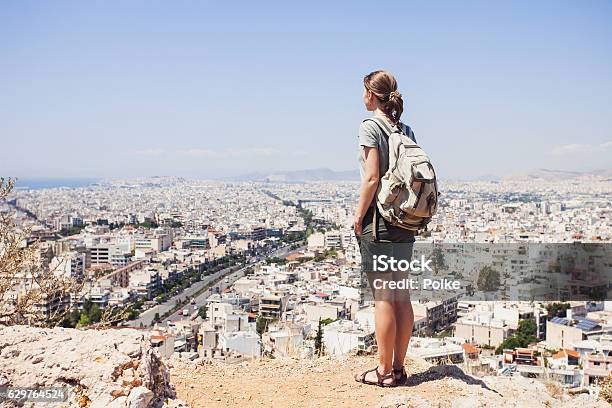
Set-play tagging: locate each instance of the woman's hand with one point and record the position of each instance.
(357, 225)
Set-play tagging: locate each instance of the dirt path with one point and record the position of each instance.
(328, 382)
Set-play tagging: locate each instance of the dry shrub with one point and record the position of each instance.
(605, 391)
(31, 291)
(554, 388)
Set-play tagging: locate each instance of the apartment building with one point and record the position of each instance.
(272, 306)
(144, 282)
(563, 333)
(439, 314)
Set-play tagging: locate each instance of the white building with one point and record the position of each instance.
(342, 336)
(246, 343)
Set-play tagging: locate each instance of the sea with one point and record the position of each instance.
(40, 183)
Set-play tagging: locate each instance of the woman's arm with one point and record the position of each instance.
(369, 185)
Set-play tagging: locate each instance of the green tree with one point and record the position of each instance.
(318, 343)
(327, 321)
(527, 328)
(557, 309)
(524, 335)
(149, 224)
(488, 279)
(84, 320)
(261, 325)
(156, 317)
(276, 260)
(202, 312)
(510, 343)
(95, 314)
(437, 259)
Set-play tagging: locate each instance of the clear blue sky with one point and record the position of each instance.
(132, 88)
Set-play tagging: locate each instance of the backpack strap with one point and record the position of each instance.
(375, 221)
(408, 132)
(387, 130)
(382, 124)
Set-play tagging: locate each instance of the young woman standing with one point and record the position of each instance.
(393, 314)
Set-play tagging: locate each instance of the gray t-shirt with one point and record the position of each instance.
(370, 135)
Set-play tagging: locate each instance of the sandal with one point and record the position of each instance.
(381, 378)
(400, 375)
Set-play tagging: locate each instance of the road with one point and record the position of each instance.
(146, 317)
(203, 297)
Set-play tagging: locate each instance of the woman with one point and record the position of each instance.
(393, 313)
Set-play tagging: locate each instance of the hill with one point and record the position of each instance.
(560, 175)
(296, 176)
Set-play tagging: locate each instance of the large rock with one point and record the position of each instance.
(102, 368)
(140, 397)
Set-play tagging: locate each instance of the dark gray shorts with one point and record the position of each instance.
(392, 242)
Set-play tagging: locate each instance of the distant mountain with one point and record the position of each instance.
(325, 174)
(554, 175)
(321, 174)
(484, 177)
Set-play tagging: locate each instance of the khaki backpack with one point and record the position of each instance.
(407, 194)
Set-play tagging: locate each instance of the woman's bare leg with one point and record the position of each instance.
(404, 321)
(385, 325)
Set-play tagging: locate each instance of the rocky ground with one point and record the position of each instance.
(111, 368)
(118, 369)
(328, 382)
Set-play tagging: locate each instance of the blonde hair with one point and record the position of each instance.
(384, 86)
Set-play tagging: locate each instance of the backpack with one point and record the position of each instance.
(407, 195)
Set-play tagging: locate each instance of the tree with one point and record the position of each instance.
(510, 343)
(149, 224)
(84, 320)
(488, 279)
(276, 260)
(437, 258)
(156, 317)
(261, 325)
(557, 309)
(202, 312)
(66, 232)
(327, 321)
(527, 328)
(72, 319)
(318, 343)
(95, 314)
(524, 335)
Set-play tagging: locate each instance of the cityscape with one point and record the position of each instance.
(236, 271)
